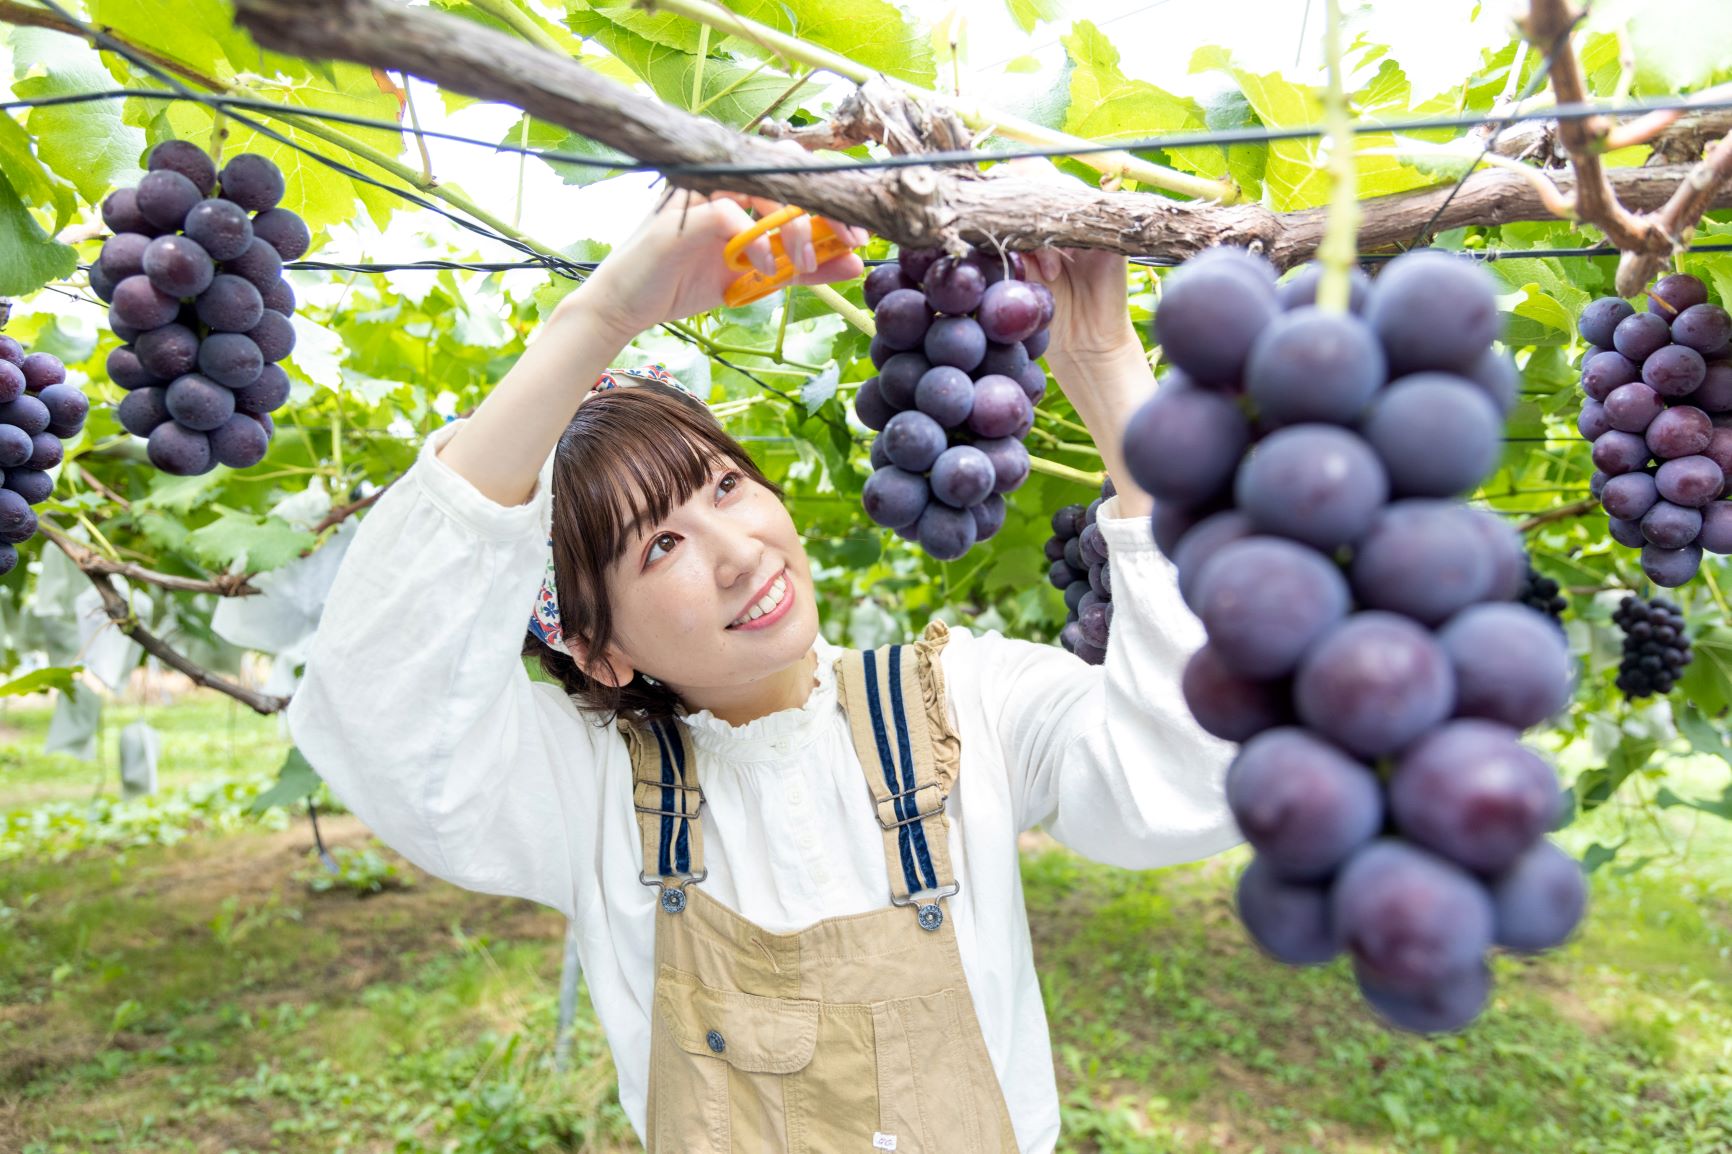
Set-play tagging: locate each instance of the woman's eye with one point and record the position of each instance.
(662, 541)
(729, 482)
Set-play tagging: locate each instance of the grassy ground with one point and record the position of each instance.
(200, 997)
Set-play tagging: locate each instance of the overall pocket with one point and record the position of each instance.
(936, 1088)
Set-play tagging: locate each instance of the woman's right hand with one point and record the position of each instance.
(671, 267)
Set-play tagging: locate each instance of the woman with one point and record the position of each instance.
(793, 868)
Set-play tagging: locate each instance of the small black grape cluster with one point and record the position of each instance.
(1308, 467)
(39, 409)
(1656, 646)
(1543, 595)
(194, 279)
(959, 336)
(1659, 414)
(1080, 569)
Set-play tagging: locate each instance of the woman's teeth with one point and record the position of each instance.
(778, 590)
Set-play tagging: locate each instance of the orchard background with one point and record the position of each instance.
(185, 970)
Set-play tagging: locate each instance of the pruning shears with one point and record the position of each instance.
(754, 284)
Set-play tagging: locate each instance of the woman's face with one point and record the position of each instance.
(717, 595)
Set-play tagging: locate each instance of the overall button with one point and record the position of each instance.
(716, 1043)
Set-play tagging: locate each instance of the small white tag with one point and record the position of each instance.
(883, 1141)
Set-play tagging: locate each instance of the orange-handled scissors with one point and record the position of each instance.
(825, 243)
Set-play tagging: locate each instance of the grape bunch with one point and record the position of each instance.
(1656, 646)
(39, 409)
(956, 350)
(1080, 570)
(1543, 595)
(1659, 414)
(194, 285)
(1363, 642)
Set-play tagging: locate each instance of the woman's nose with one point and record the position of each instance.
(739, 553)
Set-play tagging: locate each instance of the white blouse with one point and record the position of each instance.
(417, 711)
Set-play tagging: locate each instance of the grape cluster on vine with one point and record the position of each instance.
(1659, 414)
(959, 336)
(1081, 570)
(1542, 594)
(39, 409)
(1656, 646)
(1363, 642)
(193, 278)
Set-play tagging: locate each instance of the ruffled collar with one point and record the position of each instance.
(775, 734)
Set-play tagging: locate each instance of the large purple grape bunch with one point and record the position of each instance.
(193, 277)
(958, 341)
(39, 409)
(1080, 569)
(1659, 414)
(1363, 641)
(1656, 646)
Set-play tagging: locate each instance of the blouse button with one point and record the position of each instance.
(715, 1041)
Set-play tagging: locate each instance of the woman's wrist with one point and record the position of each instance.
(589, 311)
(1106, 388)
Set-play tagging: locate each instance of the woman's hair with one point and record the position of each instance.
(627, 458)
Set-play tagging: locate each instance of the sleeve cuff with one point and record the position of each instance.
(1124, 534)
(470, 507)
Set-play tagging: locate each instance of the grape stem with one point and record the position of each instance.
(1054, 469)
(1341, 231)
(844, 308)
(1714, 591)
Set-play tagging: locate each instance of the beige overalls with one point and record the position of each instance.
(854, 1034)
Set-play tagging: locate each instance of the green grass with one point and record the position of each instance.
(200, 997)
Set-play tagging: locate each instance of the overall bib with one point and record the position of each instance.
(856, 1033)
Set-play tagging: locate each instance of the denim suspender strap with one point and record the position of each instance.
(896, 712)
(668, 800)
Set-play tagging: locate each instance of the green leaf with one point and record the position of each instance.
(870, 32)
(296, 779)
(1707, 680)
(1536, 319)
(1106, 105)
(1678, 44)
(1599, 855)
(61, 677)
(1028, 13)
(543, 137)
(256, 543)
(35, 183)
(29, 257)
(1720, 807)
(90, 144)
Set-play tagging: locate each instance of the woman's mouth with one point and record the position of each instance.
(770, 607)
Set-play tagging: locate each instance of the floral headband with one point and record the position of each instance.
(544, 619)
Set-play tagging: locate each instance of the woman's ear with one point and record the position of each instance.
(609, 668)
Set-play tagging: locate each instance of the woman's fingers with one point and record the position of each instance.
(732, 219)
(797, 243)
(845, 267)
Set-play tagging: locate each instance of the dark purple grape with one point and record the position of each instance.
(962, 476)
(1690, 481)
(1246, 262)
(903, 317)
(101, 283)
(1509, 556)
(1674, 371)
(1228, 706)
(239, 442)
(916, 262)
(1719, 449)
(259, 266)
(1626, 533)
(1183, 445)
(1062, 576)
(1000, 408)
(1618, 452)
(252, 181)
(221, 227)
(1592, 421)
(1101, 580)
(954, 285)
(142, 410)
(1300, 290)
(274, 336)
(1640, 335)
(15, 447)
(1033, 382)
(120, 213)
(1629, 495)
(1092, 544)
(8, 559)
(1671, 526)
(1410, 919)
(1310, 365)
(1048, 303)
(956, 341)
(285, 231)
(164, 353)
(1673, 294)
(1443, 1008)
(1714, 394)
(230, 359)
(878, 351)
(1597, 483)
(1424, 559)
(165, 197)
(1716, 535)
(1211, 313)
(1288, 920)
(1603, 372)
(17, 518)
(1470, 791)
(1436, 434)
(124, 369)
(1539, 900)
(123, 256)
(1005, 360)
(1170, 521)
(177, 266)
(177, 450)
(1011, 310)
(1314, 483)
(12, 383)
(1205, 539)
(1073, 558)
(1671, 568)
(199, 403)
(231, 304)
(1036, 344)
(1433, 312)
(1496, 374)
(265, 422)
(186, 158)
(1705, 328)
(33, 485)
(270, 391)
(946, 533)
(280, 298)
(913, 440)
(26, 412)
(1067, 521)
(1600, 318)
(67, 407)
(880, 281)
(869, 404)
(988, 517)
(141, 305)
(875, 456)
(900, 376)
(1265, 601)
(946, 394)
(1373, 683)
(1301, 803)
(1511, 664)
(1681, 431)
(1009, 459)
(45, 451)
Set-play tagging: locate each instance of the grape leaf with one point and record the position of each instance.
(1028, 13)
(32, 181)
(60, 677)
(296, 779)
(870, 32)
(29, 257)
(87, 144)
(544, 136)
(256, 543)
(1707, 680)
(1107, 105)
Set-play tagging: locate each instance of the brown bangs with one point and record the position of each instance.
(626, 460)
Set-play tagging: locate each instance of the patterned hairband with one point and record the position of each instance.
(544, 619)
